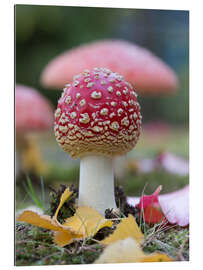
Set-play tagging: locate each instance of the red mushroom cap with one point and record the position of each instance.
(98, 114)
(33, 111)
(147, 72)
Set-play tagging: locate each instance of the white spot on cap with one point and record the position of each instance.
(93, 115)
(68, 99)
(125, 91)
(110, 89)
(113, 103)
(133, 93)
(119, 78)
(78, 135)
(135, 115)
(63, 129)
(120, 111)
(96, 95)
(97, 129)
(103, 82)
(70, 125)
(118, 93)
(114, 125)
(75, 83)
(87, 80)
(112, 80)
(85, 118)
(78, 95)
(104, 111)
(112, 115)
(82, 102)
(125, 104)
(73, 115)
(90, 84)
(125, 121)
(57, 112)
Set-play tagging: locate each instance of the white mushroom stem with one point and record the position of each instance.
(96, 186)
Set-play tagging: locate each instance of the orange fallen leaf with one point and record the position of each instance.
(43, 221)
(126, 228)
(128, 251)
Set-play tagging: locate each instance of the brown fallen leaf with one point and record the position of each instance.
(126, 228)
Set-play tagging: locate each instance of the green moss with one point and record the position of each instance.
(34, 246)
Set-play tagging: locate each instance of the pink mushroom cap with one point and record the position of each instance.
(147, 72)
(33, 111)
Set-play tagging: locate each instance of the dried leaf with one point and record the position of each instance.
(43, 221)
(87, 222)
(126, 228)
(128, 251)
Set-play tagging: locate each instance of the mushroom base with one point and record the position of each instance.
(96, 186)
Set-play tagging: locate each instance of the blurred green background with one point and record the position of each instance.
(43, 32)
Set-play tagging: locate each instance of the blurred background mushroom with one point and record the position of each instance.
(33, 113)
(51, 30)
(147, 72)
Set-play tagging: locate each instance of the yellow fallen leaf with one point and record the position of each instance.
(43, 221)
(126, 228)
(128, 251)
(156, 257)
(65, 238)
(66, 194)
(87, 222)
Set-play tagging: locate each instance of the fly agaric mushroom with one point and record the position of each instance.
(33, 113)
(97, 118)
(147, 72)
